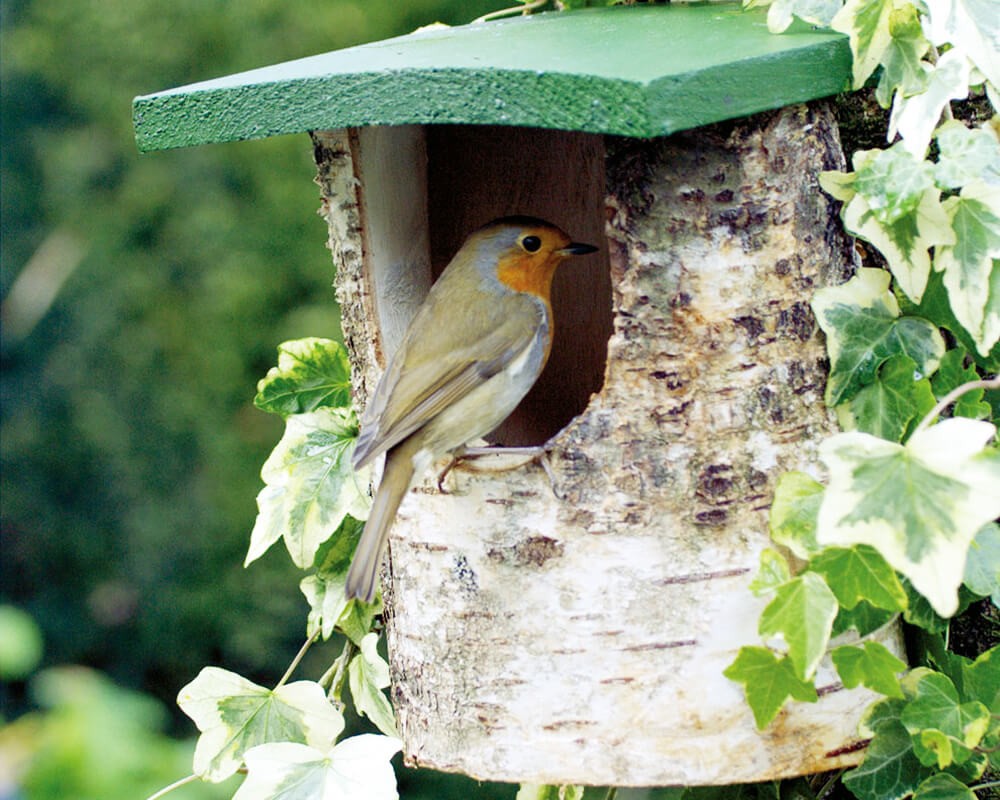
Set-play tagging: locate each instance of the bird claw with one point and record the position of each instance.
(537, 454)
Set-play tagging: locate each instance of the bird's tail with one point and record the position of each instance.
(362, 577)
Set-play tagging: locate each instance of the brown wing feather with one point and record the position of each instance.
(410, 395)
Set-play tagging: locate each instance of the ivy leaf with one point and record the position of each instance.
(860, 573)
(935, 308)
(901, 69)
(768, 682)
(815, 12)
(965, 155)
(311, 373)
(773, 572)
(920, 613)
(982, 566)
(953, 373)
(235, 715)
(368, 674)
(914, 117)
(893, 182)
(802, 613)
(866, 23)
(886, 408)
(864, 618)
(863, 328)
(310, 485)
(982, 679)
(891, 770)
(329, 607)
(919, 505)
(358, 768)
(871, 665)
(971, 27)
(943, 787)
(944, 730)
(971, 265)
(794, 511)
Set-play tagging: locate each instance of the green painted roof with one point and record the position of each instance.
(632, 71)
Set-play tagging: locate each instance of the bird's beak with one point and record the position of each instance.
(576, 249)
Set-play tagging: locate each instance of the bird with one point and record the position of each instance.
(475, 347)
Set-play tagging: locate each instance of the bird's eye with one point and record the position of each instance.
(531, 243)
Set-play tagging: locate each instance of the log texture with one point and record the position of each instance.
(577, 633)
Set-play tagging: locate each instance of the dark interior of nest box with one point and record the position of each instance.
(425, 188)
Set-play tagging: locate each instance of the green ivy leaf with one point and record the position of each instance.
(965, 155)
(768, 682)
(920, 613)
(891, 770)
(864, 618)
(953, 373)
(860, 573)
(944, 730)
(982, 566)
(934, 307)
(235, 715)
(311, 373)
(802, 613)
(866, 23)
(943, 787)
(971, 265)
(863, 328)
(793, 513)
(871, 665)
(897, 400)
(310, 485)
(901, 68)
(772, 573)
(981, 679)
(368, 674)
(358, 768)
(919, 505)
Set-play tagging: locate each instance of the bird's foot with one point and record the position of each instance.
(502, 459)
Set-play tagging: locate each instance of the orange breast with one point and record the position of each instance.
(528, 273)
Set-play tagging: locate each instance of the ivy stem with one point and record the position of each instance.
(828, 786)
(526, 8)
(175, 785)
(988, 785)
(612, 793)
(298, 657)
(952, 396)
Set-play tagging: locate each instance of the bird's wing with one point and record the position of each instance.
(415, 393)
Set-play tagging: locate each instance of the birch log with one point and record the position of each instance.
(577, 632)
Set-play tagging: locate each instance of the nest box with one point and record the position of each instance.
(576, 631)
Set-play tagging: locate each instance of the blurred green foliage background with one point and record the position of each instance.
(143, 296)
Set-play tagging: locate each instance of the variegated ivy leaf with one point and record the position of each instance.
(311, 373)
(310, 485)
(892, 182)
(235, 715)
(781, 12)
(971, 27)
(901, 68)
(358, 768)
(972, 264)
(919, 505)
(966, 154)
(914, 117)
(866, 23)
(368, 675)
(905, 242)
(793, 513)
(861, 321)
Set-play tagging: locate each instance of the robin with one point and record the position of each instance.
(473, 350)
